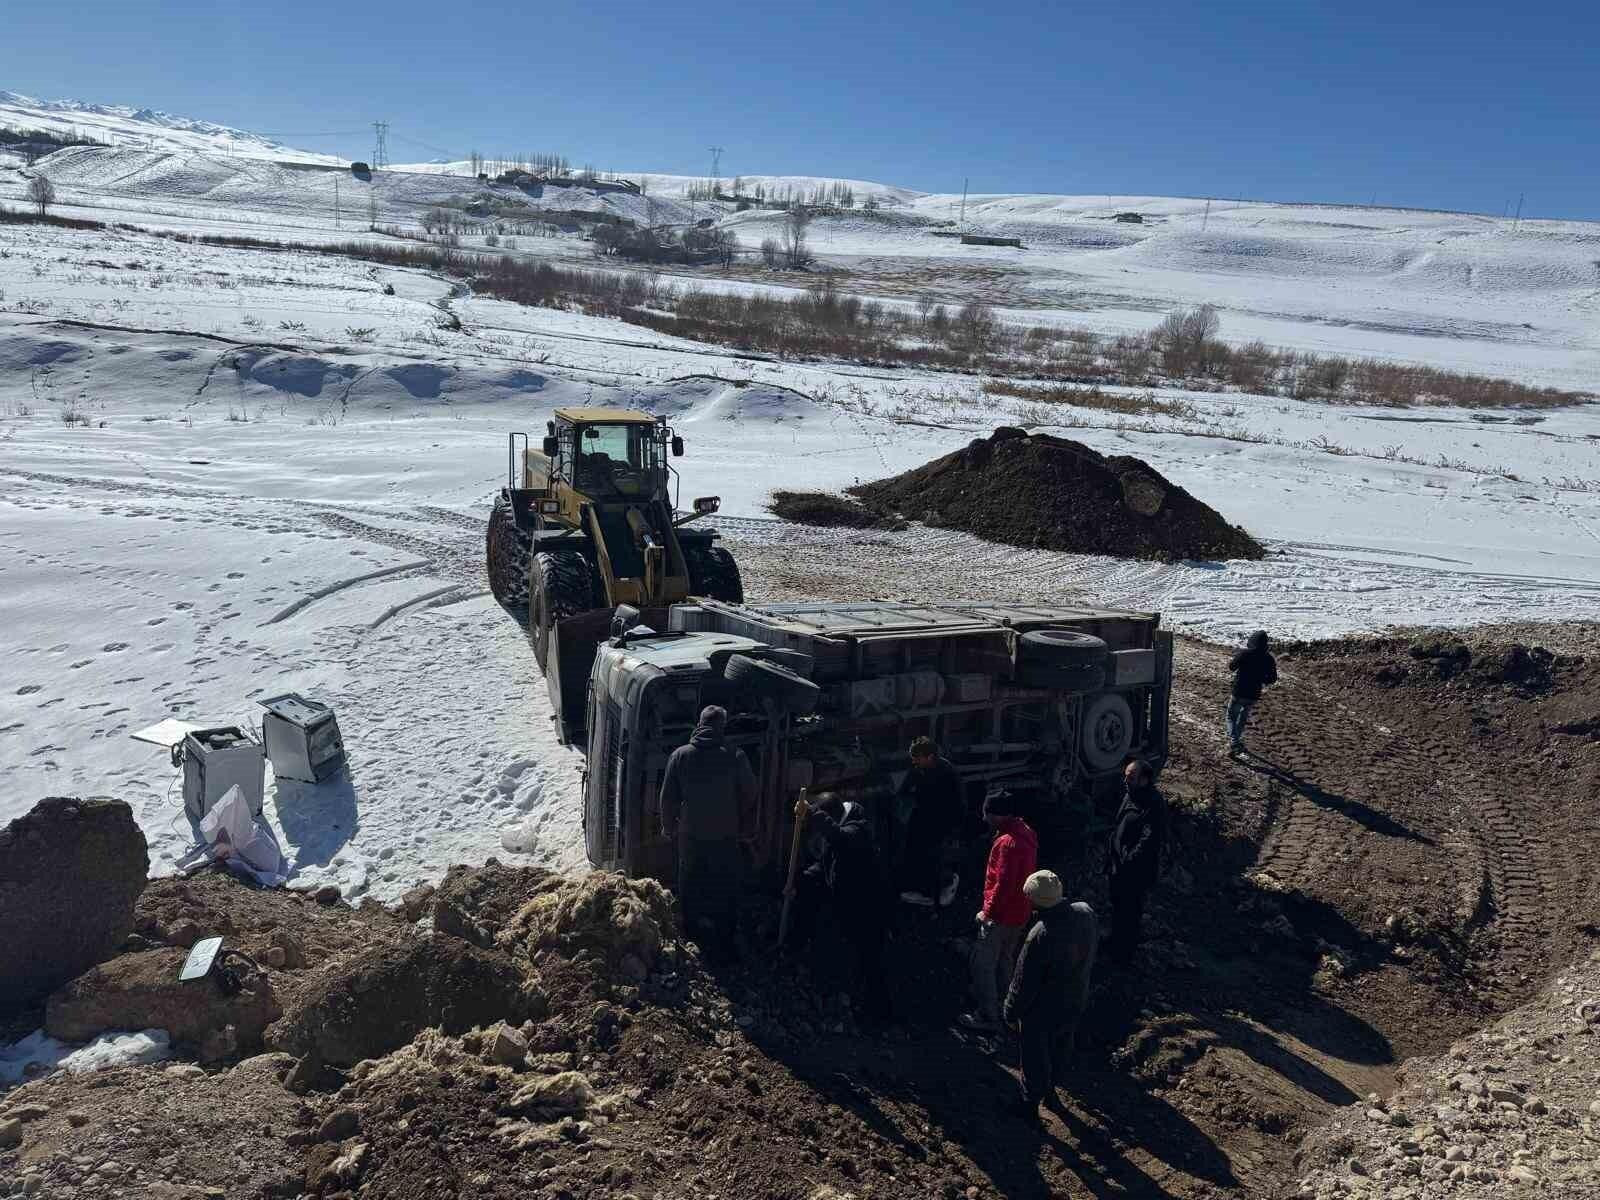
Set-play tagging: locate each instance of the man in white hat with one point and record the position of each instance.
(1050, 987)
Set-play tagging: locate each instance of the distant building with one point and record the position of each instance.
(1130, 218)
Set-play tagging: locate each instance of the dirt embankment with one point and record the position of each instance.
(1404, 855)
(1040, 492)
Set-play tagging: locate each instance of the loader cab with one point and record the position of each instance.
(610, 454)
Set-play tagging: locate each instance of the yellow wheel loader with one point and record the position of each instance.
(587, 522)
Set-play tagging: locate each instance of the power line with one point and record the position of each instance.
(450, 154)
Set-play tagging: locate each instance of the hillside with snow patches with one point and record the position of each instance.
(227, 473)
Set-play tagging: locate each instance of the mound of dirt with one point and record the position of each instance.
(142, 991)
(476, 903)
(621, 922)
(70, 871)
(1050, 493)
(827, 510)
(377, 1001)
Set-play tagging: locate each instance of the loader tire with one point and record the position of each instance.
(713, 573)
(1063, 659)
(558, 587)
(769, 681)
(507, 555)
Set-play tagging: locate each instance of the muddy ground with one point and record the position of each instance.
(1404, 854)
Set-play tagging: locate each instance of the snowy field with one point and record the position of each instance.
(227, 474)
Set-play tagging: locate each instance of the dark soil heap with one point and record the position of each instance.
(1049, 493)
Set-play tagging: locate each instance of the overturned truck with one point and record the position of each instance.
(827, 698)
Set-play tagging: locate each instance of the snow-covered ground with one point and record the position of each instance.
(226, 474)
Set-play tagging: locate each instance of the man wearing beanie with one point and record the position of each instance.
(708, 798)
(1050, 987)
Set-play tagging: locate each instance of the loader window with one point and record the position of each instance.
(617, 459)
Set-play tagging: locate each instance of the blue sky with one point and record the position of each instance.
(1411, 102)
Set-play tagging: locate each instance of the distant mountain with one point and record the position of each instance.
(121, 125)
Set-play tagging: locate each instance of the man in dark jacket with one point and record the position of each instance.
(1050, 987)
(847, 882)
(708, 798)
(1253, 669)
(1137, 840)
(933, 790)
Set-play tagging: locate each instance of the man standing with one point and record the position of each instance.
(1253, 669)
(708, 798)
(1013, 856)
(933, 789)
(1136, 844)
(847, 875)
(1050, 988)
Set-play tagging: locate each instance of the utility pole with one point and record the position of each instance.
(1207, 218)
(336, 200)
(964, 183)
(372, 205)
(380, 145)
(1516, 222)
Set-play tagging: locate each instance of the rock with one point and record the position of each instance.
(1504, 1095)
(10, 1133)
(76, 1117)
(508, 1047)
(141, 991)
(568, 1092)
(330, 1168)
(328, 893)
(276, 957)
(294, 954)
(1455, 1154)
(413, 905)
(1356, 1167)
(32, 1185)
(1522, 1174)
(182, 933)
(423, 982)
(70, 871)
(26, 1112)
(1536, 1106)
(343, 1122)
(184, 1071)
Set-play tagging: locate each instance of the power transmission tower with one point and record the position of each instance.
(380, 146)
(716, 163)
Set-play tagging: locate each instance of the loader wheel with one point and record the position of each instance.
(558, 588)
(1107, 731)
(507, 555)
(769, 681)
(713, 573)
(1062, 659)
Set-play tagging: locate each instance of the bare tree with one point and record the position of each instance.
(41, 192)
(475, 162)
(771, 253)
(795, 225)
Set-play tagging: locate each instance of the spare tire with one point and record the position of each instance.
(1067, 647)
(769, 681)
(1107, 733)
(1076, 681)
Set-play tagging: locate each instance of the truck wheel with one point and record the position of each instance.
(507, 555)
(558, 588)
(1107, 731)
(713, 573)
(1063, 659)
(769, 681)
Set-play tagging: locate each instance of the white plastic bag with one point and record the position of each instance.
(240, 842)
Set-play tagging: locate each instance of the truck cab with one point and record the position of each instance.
(1050, 701)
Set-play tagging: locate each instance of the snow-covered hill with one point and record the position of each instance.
(146, 128)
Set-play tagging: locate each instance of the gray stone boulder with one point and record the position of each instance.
(70, 871)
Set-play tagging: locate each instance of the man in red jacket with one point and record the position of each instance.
(1012, 858)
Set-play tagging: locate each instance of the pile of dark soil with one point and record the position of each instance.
(1050, 493)
(828, 510)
